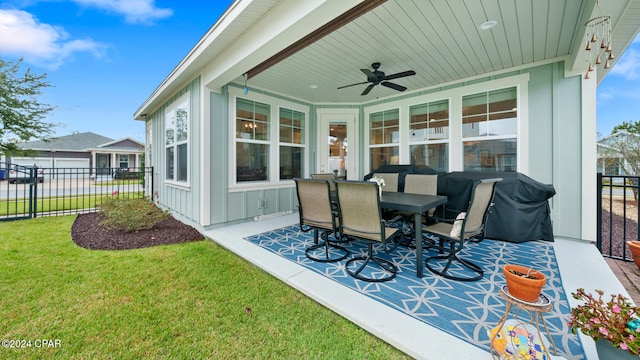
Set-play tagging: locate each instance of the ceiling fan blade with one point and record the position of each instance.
(399, 75)
(366, 91)
(371, 76)
(393, 86)
(360, 83)
(367, 72)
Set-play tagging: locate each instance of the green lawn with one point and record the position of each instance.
(187, 301)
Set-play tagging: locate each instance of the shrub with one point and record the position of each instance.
(129, 214)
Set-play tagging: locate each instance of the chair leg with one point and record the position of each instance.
(327, 247)
(386, 265)
(450, 259)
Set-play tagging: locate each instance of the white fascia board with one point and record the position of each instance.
(179, 72)
(284, 25)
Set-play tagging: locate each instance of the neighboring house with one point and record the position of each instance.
(258, 100)
(610, 161)
(83, 150)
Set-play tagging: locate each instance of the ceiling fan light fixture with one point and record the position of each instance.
(489, 24)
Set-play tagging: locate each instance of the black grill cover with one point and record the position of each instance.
(521, 212)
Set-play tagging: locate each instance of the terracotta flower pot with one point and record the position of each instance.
(635, 251)
(524, 283)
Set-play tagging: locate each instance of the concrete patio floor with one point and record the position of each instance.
(580, 265)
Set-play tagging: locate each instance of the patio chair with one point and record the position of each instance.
(331, 177)
(422, 184)
(464, 228)
(317, 213)
(361, 219)
(390, 181)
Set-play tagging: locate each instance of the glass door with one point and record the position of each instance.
(336, 145)
(338, 150)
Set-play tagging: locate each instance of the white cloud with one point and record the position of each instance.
(605, 94)
(134, 11)
(23, 36)
(629, 65)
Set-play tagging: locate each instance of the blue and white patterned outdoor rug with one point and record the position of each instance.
(466, 310)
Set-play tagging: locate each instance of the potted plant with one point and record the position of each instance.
(614, 324)
(524, 283)
(635, 251)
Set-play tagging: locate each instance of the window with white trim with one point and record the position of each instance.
(490, 130)
(429, 135)
(177, 140)
(252, 140)
(124, 161)
(384, 138)
(269, 142)
(291, 140)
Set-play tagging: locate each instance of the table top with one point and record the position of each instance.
(410, 202)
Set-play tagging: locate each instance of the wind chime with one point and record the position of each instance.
(598, 39)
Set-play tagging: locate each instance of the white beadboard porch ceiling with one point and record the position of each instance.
(441, 41)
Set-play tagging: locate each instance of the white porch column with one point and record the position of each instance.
(93, 163)
(589, 155)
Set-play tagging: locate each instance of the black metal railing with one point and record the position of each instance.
(618, 214)
(27, 192)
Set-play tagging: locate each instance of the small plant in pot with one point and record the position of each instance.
(613, 324)
(524, 283)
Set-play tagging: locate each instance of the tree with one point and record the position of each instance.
(622, 149)
(21, 113)
(630, 127)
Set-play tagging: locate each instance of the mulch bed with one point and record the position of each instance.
(86, 232)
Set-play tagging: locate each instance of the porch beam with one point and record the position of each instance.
(316, 35)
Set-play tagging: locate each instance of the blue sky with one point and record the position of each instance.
(618, 97)
(104, 57)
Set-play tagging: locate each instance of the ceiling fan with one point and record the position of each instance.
(376, 77)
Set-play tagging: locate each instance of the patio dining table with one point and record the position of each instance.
(416, 204)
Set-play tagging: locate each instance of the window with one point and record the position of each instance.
(268, 144)
(124, 161)
(291, 143)
(252, 140)
(177, 139)
(489, 130)
(384, 139)
(429, 135)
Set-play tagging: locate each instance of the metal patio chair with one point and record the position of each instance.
(464, 228)
(331, 177)
(317, 213)
(390, 181)
(361, 219)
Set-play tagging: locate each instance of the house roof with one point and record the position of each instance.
(73, 142)
(82, 142)
(288, 46)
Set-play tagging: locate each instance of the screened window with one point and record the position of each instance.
(429, 135)
(292, 147)
(384, 138)
(177, 140)
(489, 130)
(252, 140)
